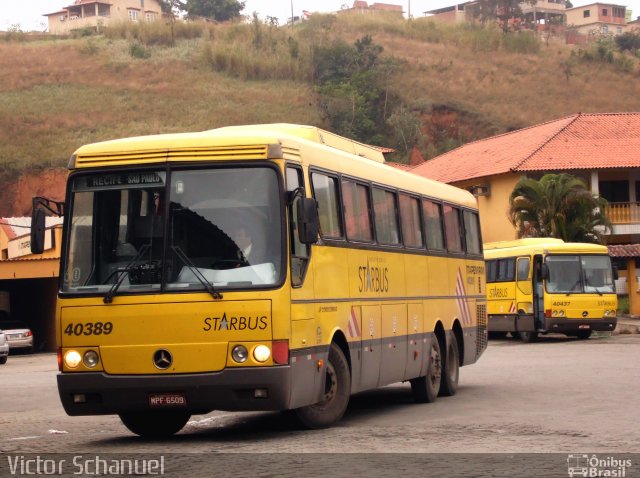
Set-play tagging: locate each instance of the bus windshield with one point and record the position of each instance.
(581, 274)
(152, 230)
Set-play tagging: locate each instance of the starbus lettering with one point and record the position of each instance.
(373, 279)
(234, 323)
(498, 292)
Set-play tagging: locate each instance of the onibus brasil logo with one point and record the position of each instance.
(595, 466)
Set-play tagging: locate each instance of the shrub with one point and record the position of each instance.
(136, 50)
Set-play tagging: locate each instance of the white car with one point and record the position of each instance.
(4, 348)
(18, 335)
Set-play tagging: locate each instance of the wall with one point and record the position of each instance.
(494, 208)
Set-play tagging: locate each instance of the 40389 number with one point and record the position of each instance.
(89, 328)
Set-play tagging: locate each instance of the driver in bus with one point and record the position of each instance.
(251, 251)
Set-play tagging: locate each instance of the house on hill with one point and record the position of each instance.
(96, 13)
(603, 149)
(361, 6)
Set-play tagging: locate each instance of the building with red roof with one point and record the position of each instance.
(601, 148)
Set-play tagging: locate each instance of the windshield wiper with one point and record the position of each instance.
(108, 298)
(196, 272)
(586, 283)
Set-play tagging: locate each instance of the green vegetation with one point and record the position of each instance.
(378, 79)
(560, 206)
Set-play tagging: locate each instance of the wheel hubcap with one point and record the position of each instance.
(436, 369)
(331, 385)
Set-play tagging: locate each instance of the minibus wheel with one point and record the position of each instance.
(155, 425)
(425, 389)
(528, 337)
(450, 369)
(336, 393)
(583, 334)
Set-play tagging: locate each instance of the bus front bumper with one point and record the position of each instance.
(97, 393)
(573, 326)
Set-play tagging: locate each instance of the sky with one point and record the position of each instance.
(28, 13)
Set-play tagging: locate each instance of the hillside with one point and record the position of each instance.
(464, 83)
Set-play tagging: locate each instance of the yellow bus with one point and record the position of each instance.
(542, 285)
(264, 267)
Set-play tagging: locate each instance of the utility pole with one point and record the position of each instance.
(291, 13)
(409, 11)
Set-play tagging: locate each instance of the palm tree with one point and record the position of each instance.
(558, 205)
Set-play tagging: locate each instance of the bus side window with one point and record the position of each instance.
(523, 279)
(299, 251)
(386, 220)
(410, 218)
(356, 211)
(492, 270)
(433, 225)
(452, 228)
(325, 191)
(472, 232)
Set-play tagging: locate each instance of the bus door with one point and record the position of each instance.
(538, 293)
(525, 285)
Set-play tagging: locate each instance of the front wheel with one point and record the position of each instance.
(155, 425)
(583, 334)
(3, 360)
(450, 369)
(337, 390)
(425, 389)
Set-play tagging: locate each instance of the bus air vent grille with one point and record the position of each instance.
(481, 338)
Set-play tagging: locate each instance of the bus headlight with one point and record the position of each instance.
(240, 353)
(72, 359)
(261, 353)
(90, 358)
(561, 313)
(554, 313)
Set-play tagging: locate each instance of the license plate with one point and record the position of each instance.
(162, 400)
(584, 326)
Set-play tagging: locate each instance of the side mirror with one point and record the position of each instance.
(545, 272)
(308, 221)
(615, 272)
(37, 230)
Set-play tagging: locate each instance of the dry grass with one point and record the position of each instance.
(57, 95)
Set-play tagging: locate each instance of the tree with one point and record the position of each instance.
(507, 13)
(220, 10)
(560, 206)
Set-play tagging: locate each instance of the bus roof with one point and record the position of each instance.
(305, 144)
(531, 246)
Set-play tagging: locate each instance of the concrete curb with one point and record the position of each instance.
(627, 324)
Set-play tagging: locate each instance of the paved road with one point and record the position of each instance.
(556, 396)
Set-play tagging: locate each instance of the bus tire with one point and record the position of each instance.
(155, 425)
(337, 391)
(528, 337)
(425, 389)
(583, 334)
(450, 369)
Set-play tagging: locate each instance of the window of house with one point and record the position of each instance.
(452, 228)
(619, 30)
(133, 15)
(386, 221)
(150, 17)
(325, 191)
(614, 191)
(605, 29)
(433, 225)
(410, 219)
(357, 221)
(618, 13)
(605, 12)
(586, 14)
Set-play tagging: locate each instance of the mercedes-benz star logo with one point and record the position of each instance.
(162, 359)
(585, 314)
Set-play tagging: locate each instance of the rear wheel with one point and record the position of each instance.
(583, 334)
(155, 425)
(425, 389)
(450, 369)
(3, 360)
(528, 337)
(337, 391)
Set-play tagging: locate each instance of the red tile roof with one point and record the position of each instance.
(624, 250)
(581, 141)
(402, 166)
